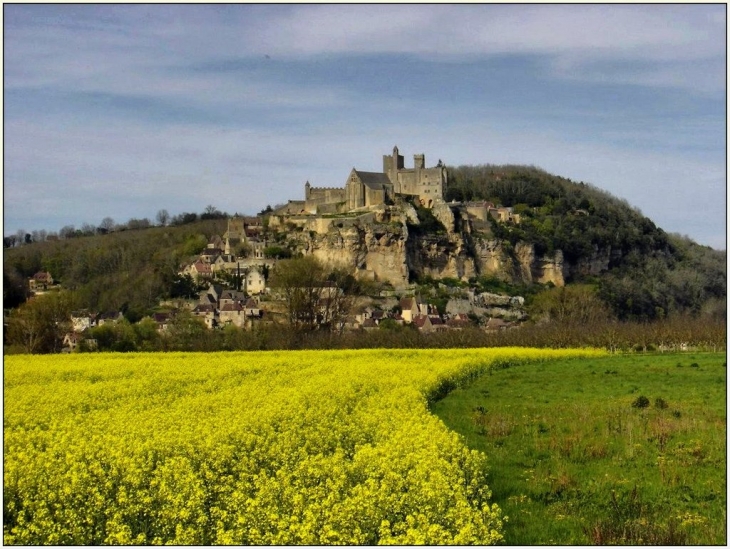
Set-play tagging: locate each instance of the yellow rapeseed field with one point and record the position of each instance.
(307, 447)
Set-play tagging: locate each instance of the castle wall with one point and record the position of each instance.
(320, 196)
(480, 212)
(374, 197)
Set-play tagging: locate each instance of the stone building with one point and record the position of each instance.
(366, 189)
(319, 200)
(428, 184)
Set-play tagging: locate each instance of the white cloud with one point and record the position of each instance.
(157, 51)
(141, 39)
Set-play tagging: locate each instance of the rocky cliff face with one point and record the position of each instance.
(386, 251)
(375, 251)
(440, 256)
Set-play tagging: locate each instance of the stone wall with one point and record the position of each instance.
(317, 197)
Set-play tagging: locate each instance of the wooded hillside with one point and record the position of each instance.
(650, 273)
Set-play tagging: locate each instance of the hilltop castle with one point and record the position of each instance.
(365, 189)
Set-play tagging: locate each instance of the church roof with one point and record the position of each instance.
(374, 180)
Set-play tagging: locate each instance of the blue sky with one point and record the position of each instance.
(122, 110)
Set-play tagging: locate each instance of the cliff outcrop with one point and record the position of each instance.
(385, 250)
(374, 251)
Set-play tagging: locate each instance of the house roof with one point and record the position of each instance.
(229, 294)
(374, 180)
(251, 304)
(497, 323)
(422, 320)
(457, 322)
(232, 307)
(407, 302)
(202, 267)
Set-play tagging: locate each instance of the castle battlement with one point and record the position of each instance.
(325, 188)
(364, 189)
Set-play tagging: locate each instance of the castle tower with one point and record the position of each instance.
(391, 165)
(307, 190)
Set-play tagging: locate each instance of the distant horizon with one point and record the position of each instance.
(123, 110)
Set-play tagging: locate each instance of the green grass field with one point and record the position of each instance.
(577, 456)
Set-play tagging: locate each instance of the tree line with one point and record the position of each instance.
(108, 225)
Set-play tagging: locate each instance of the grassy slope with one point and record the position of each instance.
(573, 462)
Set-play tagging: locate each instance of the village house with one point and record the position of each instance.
(71, 341)
(208, 313)
(162, 320)
(411, 307)
(497, 325)
(504, 215)
(252, 309)
(458, 321)
(199, 271)
(255, 282)
(229, 297)
(40, 281)
(109, 318)
(82, 320)
(429, 323)
(232, 313)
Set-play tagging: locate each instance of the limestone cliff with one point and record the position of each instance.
(374, 251)
(440, 256)
(385, 250)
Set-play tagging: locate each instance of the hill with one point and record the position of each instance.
(126, 270)
(642, 272)
(639, 271)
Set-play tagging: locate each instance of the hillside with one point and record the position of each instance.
(590, 238)
(641, 271)
(127, 270)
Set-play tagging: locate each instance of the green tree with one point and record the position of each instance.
(576, 303)
(277, 252)
(187, 333)
(146, 334)
(38, 326)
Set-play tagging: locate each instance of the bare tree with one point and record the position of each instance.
(38, 325)
(107, 224)
(135, 223)
(67, 231)
(162, 217)
(314, 297)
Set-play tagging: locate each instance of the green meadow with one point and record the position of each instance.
(627, 449)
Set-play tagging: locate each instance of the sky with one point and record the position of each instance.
(123, 110)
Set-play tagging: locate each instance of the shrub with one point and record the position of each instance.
(661, 403)
(640, 402)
